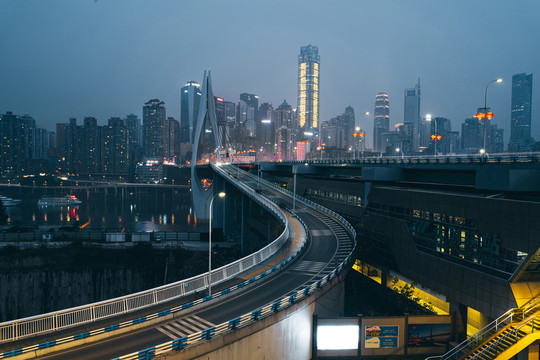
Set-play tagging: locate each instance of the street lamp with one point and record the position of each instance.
(221, 194)
(436, 138)
(486, 114)
(398, 150)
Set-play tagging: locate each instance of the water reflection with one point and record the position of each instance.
(156, 212)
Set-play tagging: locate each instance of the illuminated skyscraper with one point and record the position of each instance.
(190, 99)
(154, 115)
(520, 126)
(308, 88)
(381, 121)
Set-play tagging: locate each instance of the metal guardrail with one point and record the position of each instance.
(500, 158)
(258, 314)
(512, 315)
(514, 331)
(307, 202)
(54, 321)
(95, 236)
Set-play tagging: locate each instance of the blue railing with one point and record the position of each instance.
(31, 326)
(260, 313)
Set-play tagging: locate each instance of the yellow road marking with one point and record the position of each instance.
(291, 248)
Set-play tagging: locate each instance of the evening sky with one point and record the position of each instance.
(67, 58)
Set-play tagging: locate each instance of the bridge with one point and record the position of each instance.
(463, 229)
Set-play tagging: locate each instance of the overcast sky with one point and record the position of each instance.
(105, 58)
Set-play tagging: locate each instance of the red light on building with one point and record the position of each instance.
(219, 99)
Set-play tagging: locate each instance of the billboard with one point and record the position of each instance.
(379, 337)
(429, 335)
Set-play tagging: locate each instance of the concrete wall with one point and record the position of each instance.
(285, 335)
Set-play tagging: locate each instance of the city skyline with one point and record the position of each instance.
(79, 54)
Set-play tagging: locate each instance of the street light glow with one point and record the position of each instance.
(499, 80)
(221, 194)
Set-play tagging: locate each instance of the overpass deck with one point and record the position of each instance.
(330, 245)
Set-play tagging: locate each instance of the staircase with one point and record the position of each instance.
(501, 339)
(509, 341)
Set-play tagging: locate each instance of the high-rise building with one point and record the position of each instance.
(171, 143)
(88, 153)
(190, 100)
(115, 143)
(284, 144)
(154, 115)
(520, 126)
(308, 88)
(14, 150)
(471, 136)
(412, 113)
(225, 118)
(265, 129)
(133, 125)
(248, 105)
(348, 123)
(381, 120)
(40, 144)
(497, 140)
(405, 138)
(283, 116)
(443, 127)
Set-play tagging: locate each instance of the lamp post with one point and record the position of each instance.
(398, 150)
(486, 114)
(221, 194)
(436, 138)
(355, 134)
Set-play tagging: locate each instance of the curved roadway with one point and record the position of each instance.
(329, 245)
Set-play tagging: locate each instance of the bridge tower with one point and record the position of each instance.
(205, 146)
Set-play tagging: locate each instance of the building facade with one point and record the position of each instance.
(308, 88)
(520, 126)
(381, 120)
(411, 113)
(154, 115)
(190, 99)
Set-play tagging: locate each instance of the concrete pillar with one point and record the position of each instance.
(243, 224)
(460, 320)
(367, 188)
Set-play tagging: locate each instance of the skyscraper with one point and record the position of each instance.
(471, 136)
(133, 125)
(520, 126)
(14, 151)
(248, 106)
(265, 128)
(412, 113)
(308, 88)
(114, 153)
(283, 115)
(381, 120)
(190, 99)
(154, 115)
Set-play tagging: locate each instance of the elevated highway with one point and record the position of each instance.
(295, 273)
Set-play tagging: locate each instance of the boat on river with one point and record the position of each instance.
(9, 201)
(68, 200)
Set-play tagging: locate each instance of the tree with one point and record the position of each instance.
(408, 291)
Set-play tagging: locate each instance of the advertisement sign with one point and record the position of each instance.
(378, 337)
(424, 335)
